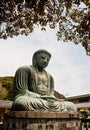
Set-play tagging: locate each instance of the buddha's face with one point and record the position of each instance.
(42, 60)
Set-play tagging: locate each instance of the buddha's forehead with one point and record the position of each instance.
(42, 53)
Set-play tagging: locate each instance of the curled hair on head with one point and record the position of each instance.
(37, 52)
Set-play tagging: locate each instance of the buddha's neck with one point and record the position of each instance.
(39, 70)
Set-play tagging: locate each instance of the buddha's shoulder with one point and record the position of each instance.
(24, 67)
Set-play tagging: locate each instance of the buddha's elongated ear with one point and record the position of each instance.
(34, 60)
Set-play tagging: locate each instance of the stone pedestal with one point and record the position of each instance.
(41, 120)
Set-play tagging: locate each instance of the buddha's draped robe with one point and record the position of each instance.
(32, 91)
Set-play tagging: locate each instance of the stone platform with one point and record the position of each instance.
(41, 120)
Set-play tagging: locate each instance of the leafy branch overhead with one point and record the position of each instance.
(71, 17)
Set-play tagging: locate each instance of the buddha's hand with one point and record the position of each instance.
(43, 96)
(47, 97)
(32, 94)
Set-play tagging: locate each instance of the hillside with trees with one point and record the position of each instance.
(6, 88)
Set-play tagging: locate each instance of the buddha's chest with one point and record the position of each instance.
(42, 84)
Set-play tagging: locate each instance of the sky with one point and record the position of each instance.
(69, 64)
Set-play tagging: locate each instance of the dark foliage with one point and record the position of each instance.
(72, 17)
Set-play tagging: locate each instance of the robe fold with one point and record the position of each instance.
(27, 96)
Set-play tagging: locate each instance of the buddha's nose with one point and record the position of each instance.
(45, 60)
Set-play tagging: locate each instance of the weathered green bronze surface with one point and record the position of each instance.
(34, 87)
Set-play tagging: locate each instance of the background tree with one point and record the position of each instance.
(6, 88)
(71, 17)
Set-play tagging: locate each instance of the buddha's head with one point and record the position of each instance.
(41, 58)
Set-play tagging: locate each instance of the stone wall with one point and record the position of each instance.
(41, 120)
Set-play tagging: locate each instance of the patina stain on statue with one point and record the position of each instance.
(34, 87)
